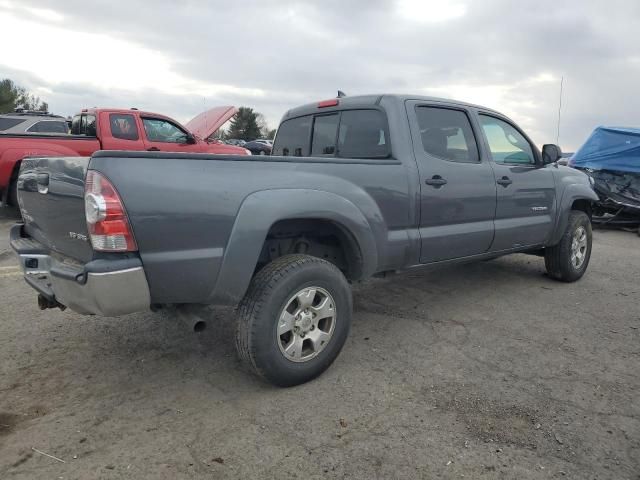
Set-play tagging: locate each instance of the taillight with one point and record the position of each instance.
(107, 220)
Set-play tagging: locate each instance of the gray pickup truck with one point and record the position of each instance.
(356, 186)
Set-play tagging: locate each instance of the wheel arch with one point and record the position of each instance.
(575, 197)
(264, 211)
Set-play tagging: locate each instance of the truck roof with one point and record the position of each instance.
(96, 110)
(372, 100)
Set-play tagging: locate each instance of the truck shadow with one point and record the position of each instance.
(147, 350)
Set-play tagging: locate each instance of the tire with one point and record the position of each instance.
(306, 346)
(558, 259)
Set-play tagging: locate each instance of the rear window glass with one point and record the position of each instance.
(325, 130)
(447, 134)
(84, 125)
(91, 126)
(123, 126)
(75, 125)
(363, 134)
(49, 126)
(7, 123)
(293, 137)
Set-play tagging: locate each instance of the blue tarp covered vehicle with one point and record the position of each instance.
(611, 156)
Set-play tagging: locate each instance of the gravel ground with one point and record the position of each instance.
(488, 370)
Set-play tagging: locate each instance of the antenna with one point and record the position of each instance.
(559, 110)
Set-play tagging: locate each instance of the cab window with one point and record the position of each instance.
(90, 129)
(325, 130)
(123, 126)
(84, 124)
(160, 130)
(446, 133)
(363, 134)
(293, 137)
(506, 143)
(75, 125)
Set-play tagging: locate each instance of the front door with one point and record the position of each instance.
(457, 186)
(526, 189)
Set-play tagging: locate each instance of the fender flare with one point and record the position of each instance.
(260, 210)
(571, 193)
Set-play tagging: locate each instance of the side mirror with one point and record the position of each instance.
(190, 139)
(551, 153)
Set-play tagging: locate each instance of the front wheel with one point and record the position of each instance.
(568, 260)
(294, 319)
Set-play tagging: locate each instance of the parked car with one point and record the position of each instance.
(113, 129)
(257, 147)
(29, 122)
(357, 186)
(235, 141)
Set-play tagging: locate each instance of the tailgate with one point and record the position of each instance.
(51, 198)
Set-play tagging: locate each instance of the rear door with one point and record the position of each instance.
(51, 199)
(164, 135)
(457, 186)
(526, 188)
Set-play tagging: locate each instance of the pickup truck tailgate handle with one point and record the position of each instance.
(504, 181)
(43, 179)
(436, 181)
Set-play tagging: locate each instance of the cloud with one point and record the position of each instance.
(177, 58)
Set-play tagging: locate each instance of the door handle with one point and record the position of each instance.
(153, 149)
(436, 181)
(504, 181)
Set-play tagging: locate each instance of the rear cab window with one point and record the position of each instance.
(358, 133)
(325, 133)
(293, 137)
(84, 124)
(363, 134)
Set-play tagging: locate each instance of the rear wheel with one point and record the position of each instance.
(294, 319)
(568, 260)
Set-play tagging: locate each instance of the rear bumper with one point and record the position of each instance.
(101, 287)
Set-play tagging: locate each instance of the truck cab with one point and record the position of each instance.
(121, 129)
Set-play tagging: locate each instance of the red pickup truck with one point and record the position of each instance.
(114, 129)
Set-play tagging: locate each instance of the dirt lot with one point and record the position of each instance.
(488, 370)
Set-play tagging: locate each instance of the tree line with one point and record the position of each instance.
(13, 97)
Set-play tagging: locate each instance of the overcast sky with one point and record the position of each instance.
(179, 58)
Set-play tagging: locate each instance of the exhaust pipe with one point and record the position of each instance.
(44, 303)
(193, 316)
